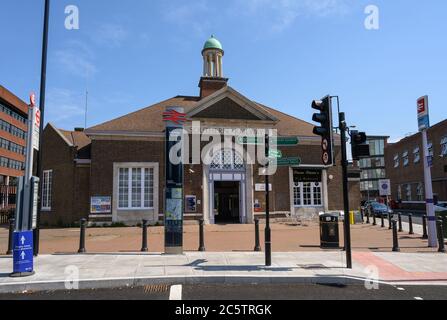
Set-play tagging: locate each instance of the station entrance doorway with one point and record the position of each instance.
(227, 201)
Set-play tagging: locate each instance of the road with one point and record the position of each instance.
(245, 292)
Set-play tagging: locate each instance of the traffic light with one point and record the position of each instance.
(359, 146)
(325, 129)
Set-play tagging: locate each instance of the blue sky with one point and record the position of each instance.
(283, 53)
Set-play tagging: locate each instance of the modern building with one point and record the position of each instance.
(373, 167)
(115, 171)
(13, 128)
(404, 166)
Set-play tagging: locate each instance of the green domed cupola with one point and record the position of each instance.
(212, 58)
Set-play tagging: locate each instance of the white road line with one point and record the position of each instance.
(401, 289)
(175, 293)
(418, 298)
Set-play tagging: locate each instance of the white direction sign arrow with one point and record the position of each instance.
(22, 240)
(23, 255)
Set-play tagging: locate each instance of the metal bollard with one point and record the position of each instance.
(441, 237)
(395, 238)
(374, 220)
(201, 235)
(383, 221)
(424, 227)
(257, 241)
(410, 221)
(12, 224)
(82, 236)
(399, 215)
(389, 222)
(144, 247)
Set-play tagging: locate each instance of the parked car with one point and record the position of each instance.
(364, 204)
(379, 209)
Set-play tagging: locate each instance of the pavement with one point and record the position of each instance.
(302, 263)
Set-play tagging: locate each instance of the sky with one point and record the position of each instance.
(282, 53)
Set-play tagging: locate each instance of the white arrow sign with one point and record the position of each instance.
(23, 255)
(22, 240)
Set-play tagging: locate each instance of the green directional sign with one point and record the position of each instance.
(286, 141)
(277, 154)
(280, 141)
(286, 162)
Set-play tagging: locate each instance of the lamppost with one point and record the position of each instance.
(43, 81)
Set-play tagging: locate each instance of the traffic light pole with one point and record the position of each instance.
(347, 226)
(268, 240)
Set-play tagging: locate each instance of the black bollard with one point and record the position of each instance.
(257, 241)
(410, 221)
(395, 238)
(12, 223)
(374, 220)
(383, 221)
(82, 236)
(390, 226)
(399, 215)
(441, 237)
(144, 247)
(424, 227)
(202, 235)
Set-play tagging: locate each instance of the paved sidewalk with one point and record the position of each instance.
(53, 272)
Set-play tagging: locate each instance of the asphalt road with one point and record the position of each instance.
(246, 292)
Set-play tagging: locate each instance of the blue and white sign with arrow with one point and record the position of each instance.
(23, 252)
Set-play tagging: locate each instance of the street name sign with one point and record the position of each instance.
(285, 162)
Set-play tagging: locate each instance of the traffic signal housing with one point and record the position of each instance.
(360, 148)
(325, 129)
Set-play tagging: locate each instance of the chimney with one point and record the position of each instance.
(209, 85)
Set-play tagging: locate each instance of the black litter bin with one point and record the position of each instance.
(329, 233)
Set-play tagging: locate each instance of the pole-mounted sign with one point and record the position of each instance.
(174, 118)
(27, 200)
(424, 125)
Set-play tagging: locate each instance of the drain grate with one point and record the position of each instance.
(156, 288)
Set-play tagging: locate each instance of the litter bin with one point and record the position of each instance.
(329, 233)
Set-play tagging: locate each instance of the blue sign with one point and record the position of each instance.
(424, 122)
(23, 252)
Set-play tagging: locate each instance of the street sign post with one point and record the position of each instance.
(424, 125)
(385, 187)
(287, 162)
(279, 141)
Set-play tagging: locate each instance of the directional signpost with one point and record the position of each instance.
(279, 141)
(287, 162)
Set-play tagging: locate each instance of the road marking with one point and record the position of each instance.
(401, 289)
(176, 293)
(418, 298)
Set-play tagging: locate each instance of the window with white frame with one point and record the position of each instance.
(136, 188)
(420, 191)
(417, 155)
(46, 189)
(396, 161)
(408, 192)
(399, 192)
(405, 159)
(307, 194)
(444, 146)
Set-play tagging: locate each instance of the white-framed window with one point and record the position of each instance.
(420, 191)
(399, 192)
(408, 192)
(396, 161)
(307, 194)
(47, 183)
(405, 159)
(417, 155)
(135, 188)
(444, 146)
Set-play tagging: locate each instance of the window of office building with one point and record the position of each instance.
(396, 161)
(399, 192)
(405, 159)
(408, 192)
(444, 147)
(420, 191)
(307, 194)
(416, 155)
(376, 147)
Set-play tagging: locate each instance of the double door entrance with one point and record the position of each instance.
(227, 201)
